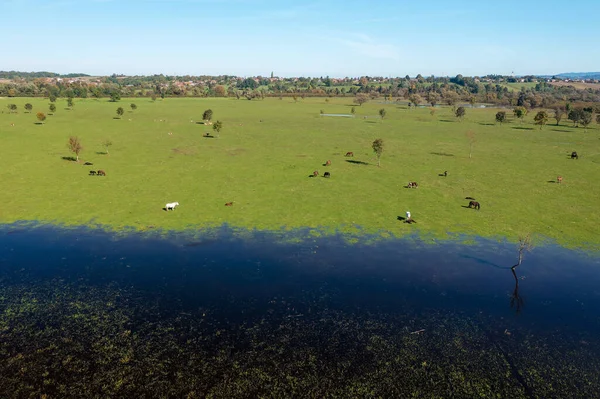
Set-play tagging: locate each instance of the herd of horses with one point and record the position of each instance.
(97, 173)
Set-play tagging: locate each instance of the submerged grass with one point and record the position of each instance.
(265, 154)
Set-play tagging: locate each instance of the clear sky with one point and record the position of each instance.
(301, 38)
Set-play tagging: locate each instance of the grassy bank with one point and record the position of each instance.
(265, 153)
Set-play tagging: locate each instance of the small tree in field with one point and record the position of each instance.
(353, 111)
(217, 127)
(75, 146)
(28, 107)
(52, 108)
(501, 117)
(558, 114)
(541, 118)
(361, 98)
(378, 149)
(415, 99)
(153, 97)
(115, 96)
(472, 139)
(382, 113)
(460, 113)
(586, 119)
(52, 98)
(598, 119)
(106, 143)
(520, 112)
(41, 117)
(70, 102)
(207, 115)
(12, 108)
(120, 111)
(133, 107)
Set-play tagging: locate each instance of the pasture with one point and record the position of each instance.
(268, 149)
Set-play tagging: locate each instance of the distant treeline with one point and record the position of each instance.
(491, 89)
(29, 75)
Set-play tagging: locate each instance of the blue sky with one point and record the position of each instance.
(292, 38)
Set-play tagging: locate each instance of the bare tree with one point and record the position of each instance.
(558, 114)
(382, 113)
(361, 98)
(472, 139)
(75, 146)
(525, 245)
(107, 143)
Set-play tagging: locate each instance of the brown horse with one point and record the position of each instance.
(229, 203)
(559, 179)
(474, 205)
(349, 154)
(328, 163)
(316, 173)
(101, 173)
(412, 184)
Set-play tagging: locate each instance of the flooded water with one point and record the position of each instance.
(84, 313)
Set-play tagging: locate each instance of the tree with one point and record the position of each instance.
(12, 108)
(382, 113)
(217, 127)
(361, 98)
(52, 98)
(541, 118)
(415, 99)
(558, 114)
(472, 139)
(460, 113)
(520, 112)
(501, 117)
(120, 111)
(52, 108)
(220, 91)
(41, 117)
(115, 96)
(153, 97)
(378, 149)
(28, 107)
(576, 115)
(75, 146)
(70, 102)
(353, 111)
(598, 119)
(207, 115)
(107, 143)
(133, 107)
(586, 119)
(433, 98)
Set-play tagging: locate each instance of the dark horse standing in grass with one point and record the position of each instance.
(474, 205)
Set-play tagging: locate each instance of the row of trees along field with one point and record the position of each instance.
(433, 90)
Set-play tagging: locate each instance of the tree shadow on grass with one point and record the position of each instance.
(116, 117)
(101, 153)
(551, 181)
(72, 159)
(442, 154)
(561, 130)
(522, 128)
(38, 123)
(352, 161)
(370, 122)
(487, 124)
(446, 120)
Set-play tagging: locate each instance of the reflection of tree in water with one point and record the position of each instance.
(525, 244)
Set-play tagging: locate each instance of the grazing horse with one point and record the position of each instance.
(229, 203)
(349, 154)
(559, 179)
(92, 173)
(445, 173)
(328, 163)
(412, 184)
(315, 173)
(574, 155)
(171, 206)
(101, 173)
(12, 124)
(326, 174)
(474, 205)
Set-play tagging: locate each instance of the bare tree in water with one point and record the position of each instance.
(525, 244)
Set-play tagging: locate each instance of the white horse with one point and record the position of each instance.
(171, 205)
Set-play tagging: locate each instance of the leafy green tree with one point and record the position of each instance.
(382, 113)
(115, 96)
(217, 127)
(353, 110)
(433, 98)
(70, 102)
(576, 115)
(520, 112)
(378, 149)
(598, 119)
(12, 108)
(361, 98)
(120, 111)
(106, 143)
(586, 119)
(501, 117)
(41, 117)
(541, 118)
(52, 98)
(74, 145)
(52, 108)
(133, 107)
(207, 115)
(28, 107)
(415, 99)
(460, 113)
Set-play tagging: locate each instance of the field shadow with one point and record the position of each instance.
(521, 128)
(401, 218)
(551, 181)
(352, 161)
(38, 123)
(208, 136)
(487, 124)
(72, 159)
(404, 220)
(442, 154)
(561, 130)
(101, 152)
(116, 117)
(446, 120)
(370, 122)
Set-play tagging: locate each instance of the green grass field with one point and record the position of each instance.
(265, 153)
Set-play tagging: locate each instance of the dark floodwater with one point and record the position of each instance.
(88, 314)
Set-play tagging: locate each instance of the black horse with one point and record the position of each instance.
(574, 155)
(474, 205)
(327, 174)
